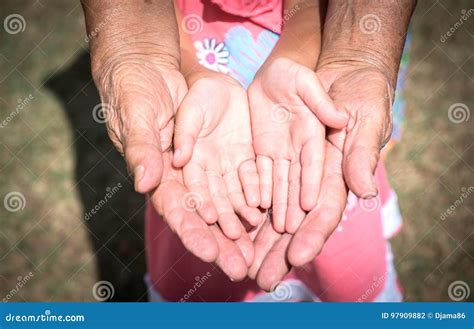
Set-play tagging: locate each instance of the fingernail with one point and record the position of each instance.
(138, 174)
(370, 195)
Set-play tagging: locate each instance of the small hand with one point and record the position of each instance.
(214, 144)
(289, 108)
(365, 94)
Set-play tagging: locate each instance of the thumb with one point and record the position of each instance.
(313, 94)
(362, 150)
(188, 124)
(143, 153)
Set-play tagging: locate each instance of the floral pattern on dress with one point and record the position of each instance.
(212, 55)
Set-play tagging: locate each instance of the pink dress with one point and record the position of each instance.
(235, 37)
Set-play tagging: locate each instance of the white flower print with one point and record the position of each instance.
(212, 55)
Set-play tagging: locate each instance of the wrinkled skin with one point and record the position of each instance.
(140, 99)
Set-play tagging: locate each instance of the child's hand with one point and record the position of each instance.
(289, 109)
(213, 142)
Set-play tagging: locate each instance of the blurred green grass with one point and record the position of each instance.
(37, 158)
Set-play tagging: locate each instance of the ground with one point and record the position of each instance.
(56, 163)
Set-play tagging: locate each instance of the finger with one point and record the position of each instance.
(195, 180)
(193, 232)
(143, 155)
(312, 163)
(323, 220)
(249, 179)
(230, 259)
(362, 151)
(263, 242)
(228, 220)
(275, 266)
(251, 214)
(295, 214)
(265, 168)
(246, 247)
(281, 170)
(314, 95)
(188, 125)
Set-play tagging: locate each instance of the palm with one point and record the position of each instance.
(222, 166)
(364, 94)
(225, 141)
(288, 142)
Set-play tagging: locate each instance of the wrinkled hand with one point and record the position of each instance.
(214, 144)
(140, 96)
(365, 94)
(289, 108)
